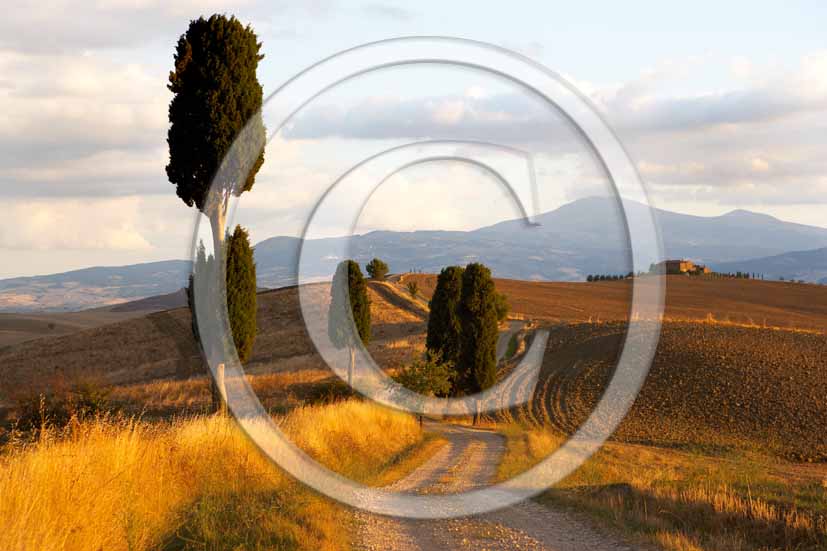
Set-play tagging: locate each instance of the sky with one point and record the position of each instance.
(720, 105)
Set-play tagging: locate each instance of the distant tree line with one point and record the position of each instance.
(609, 277)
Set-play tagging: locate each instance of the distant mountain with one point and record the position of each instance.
(586, 236)
(808, 266)
(92, 287)
(583, 237)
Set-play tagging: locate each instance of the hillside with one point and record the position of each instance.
(159, 349)
(712, 386)
(150, 359)
(20, 327)
(771, 303)
(583, 237)
(92, 287)
(808, 266)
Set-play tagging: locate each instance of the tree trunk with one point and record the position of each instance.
(351, 366)
(219, 392)
(217, 222)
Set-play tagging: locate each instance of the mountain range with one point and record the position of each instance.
(583, 237)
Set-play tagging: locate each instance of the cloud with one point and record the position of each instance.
(81, 125)
(63, 26)
(471, 115)
(62, 224)
(388, 11)
(634, 107)
(637, 106)
(761, 134)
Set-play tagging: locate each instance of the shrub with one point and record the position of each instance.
(429, 376)
(40, 411)
(377, 269)
(413, 288)
(501, 304)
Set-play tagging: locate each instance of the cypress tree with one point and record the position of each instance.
(241, 292)
(478, 316)
(444, 325)
(377, 269)
(215, 94)
(349, 303)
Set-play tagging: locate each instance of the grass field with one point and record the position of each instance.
(194, 483)
(686, 501)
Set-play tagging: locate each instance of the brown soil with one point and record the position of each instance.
(160, 347)
(714, 386)
(739, 301)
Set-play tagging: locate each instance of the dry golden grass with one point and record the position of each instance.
(188, 484)
(685, 501)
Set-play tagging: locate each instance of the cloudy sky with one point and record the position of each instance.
(721, 106)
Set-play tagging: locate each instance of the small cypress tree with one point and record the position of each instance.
(241, 292)
(377, 269)
(444, 325)
(478, 315)
(501, 302)
(349, 303)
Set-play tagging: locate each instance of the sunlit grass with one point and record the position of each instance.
(194, 483)
(685, 501)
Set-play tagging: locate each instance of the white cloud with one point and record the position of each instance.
(73, 224)
(64, 113)
(81, 25)
(388, 11)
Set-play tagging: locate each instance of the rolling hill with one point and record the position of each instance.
(92, 287)
(808, 266)
(714, 375)
(577, 239)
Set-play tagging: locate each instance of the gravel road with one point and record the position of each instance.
(470, 460)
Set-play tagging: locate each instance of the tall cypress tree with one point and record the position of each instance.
(216, 93)
(478, 315)
(241, 292)
(349, 304)
(444, 325)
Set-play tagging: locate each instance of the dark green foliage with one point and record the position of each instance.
(501, 303)
(413, 288)
(443, 322)
(241, 292)
(348, 288)
(216, 92)
(429, 376)
(377, 269)
(477, 366)
(201, 269)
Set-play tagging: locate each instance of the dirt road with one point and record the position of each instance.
(504, 338)
(470, 460)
